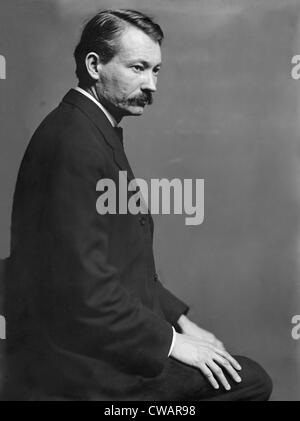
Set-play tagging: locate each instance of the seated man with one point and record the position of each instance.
(87, 317)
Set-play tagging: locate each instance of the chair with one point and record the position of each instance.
(2, 321)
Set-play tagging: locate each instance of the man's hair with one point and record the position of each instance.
(102, 33)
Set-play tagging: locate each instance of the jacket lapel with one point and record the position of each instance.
(96, 115)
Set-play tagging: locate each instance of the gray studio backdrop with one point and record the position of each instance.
(227, 110)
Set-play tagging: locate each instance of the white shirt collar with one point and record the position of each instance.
(108, 115)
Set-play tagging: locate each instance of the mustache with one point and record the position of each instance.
(144, 98)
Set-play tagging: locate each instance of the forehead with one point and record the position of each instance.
(136, 45)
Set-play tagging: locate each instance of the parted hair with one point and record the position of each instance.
(101, 35)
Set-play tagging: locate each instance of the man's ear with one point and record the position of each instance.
(93, 65)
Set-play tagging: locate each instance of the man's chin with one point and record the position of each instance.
(136, 110)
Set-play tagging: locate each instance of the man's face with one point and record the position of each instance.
(128, 81)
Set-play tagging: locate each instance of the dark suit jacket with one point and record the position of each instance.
(87, 316)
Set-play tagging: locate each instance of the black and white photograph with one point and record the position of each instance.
(150, 203)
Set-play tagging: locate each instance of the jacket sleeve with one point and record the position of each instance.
(95, 315)
(172, 306)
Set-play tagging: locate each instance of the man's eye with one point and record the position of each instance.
(138, 68)
(156, 71)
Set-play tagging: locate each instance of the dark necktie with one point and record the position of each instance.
(119, 132)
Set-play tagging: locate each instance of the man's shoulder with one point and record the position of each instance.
(68, 129)
(65, 119)
(68, 139)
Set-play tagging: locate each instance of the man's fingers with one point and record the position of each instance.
(218, 372)
(228, 357)
(227, 365)
(209, 375)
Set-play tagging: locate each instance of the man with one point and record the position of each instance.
(87, 315)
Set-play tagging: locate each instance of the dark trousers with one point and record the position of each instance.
(180, 382)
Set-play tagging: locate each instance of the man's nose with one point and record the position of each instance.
(149, 83)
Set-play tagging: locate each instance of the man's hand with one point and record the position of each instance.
(190, 328)
(208, 358)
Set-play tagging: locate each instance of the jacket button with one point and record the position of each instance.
(155, 277)
(142, 220)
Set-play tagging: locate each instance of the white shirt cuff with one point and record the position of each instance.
(173, 341)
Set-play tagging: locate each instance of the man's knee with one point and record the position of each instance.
(257, 383)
